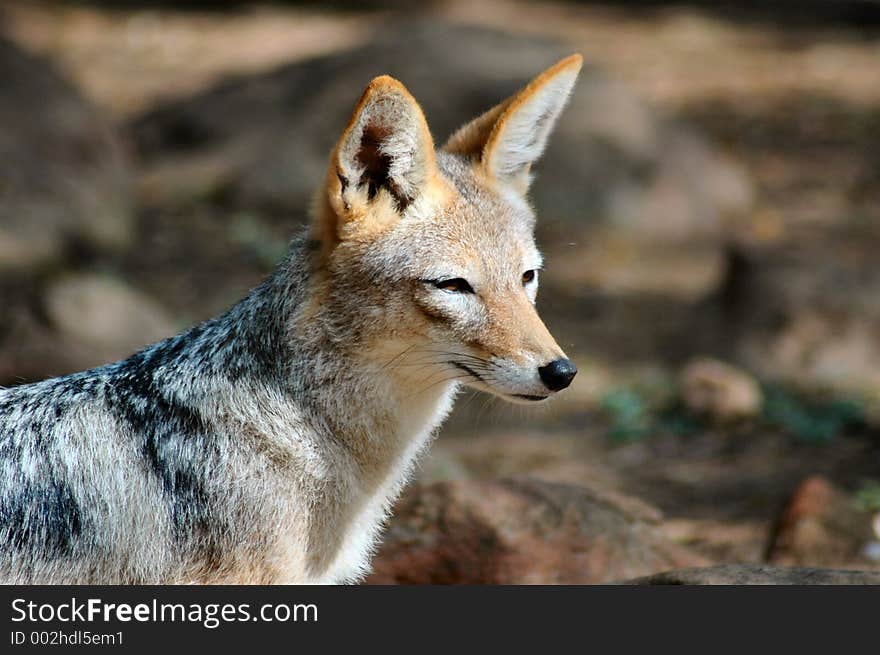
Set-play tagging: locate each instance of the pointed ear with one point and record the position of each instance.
(510, 137)
(384, 161)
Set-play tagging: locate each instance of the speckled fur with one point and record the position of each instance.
(267, 445)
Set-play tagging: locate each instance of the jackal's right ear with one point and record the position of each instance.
(510, 137)
(384, 162)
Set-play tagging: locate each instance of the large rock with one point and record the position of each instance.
(64, 179)
(84, 320)
(613, 163)
(106, 313)
(713, 388)
(757, 574)
(522, 531)
(808, 315)
(820, 526)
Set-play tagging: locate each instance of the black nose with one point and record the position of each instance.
(558, 374)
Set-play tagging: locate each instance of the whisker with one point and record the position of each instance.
(483, 407)
(454, 353)
(396, 357)
(436, 362)
(470, 399)
(434, 384)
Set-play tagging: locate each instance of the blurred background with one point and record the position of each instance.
(709, 208)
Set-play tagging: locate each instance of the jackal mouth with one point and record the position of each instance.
(469, 371)
(510, 396)
(526, 396)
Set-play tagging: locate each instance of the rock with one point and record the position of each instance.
(758, 574)
(521, 531)
(613, 163)
(786, 317)
(105, 313)
(619, 265)
(820, 526)
(840, 352)
(84, 320)
(711, 387)
(64, 178)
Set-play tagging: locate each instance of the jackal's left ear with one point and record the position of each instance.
(510, 137)
(384, 160)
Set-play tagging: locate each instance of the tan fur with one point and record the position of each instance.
(348, 213)
(461, 217)
(470, 139)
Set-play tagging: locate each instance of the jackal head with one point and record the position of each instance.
(429, 255)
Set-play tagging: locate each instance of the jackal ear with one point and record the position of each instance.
(384, 160)
(510, 137)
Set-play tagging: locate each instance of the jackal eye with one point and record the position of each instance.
(528, 276)
(456, 285)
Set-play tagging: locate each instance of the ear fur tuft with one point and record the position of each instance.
(385, 154)
(511, 136)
